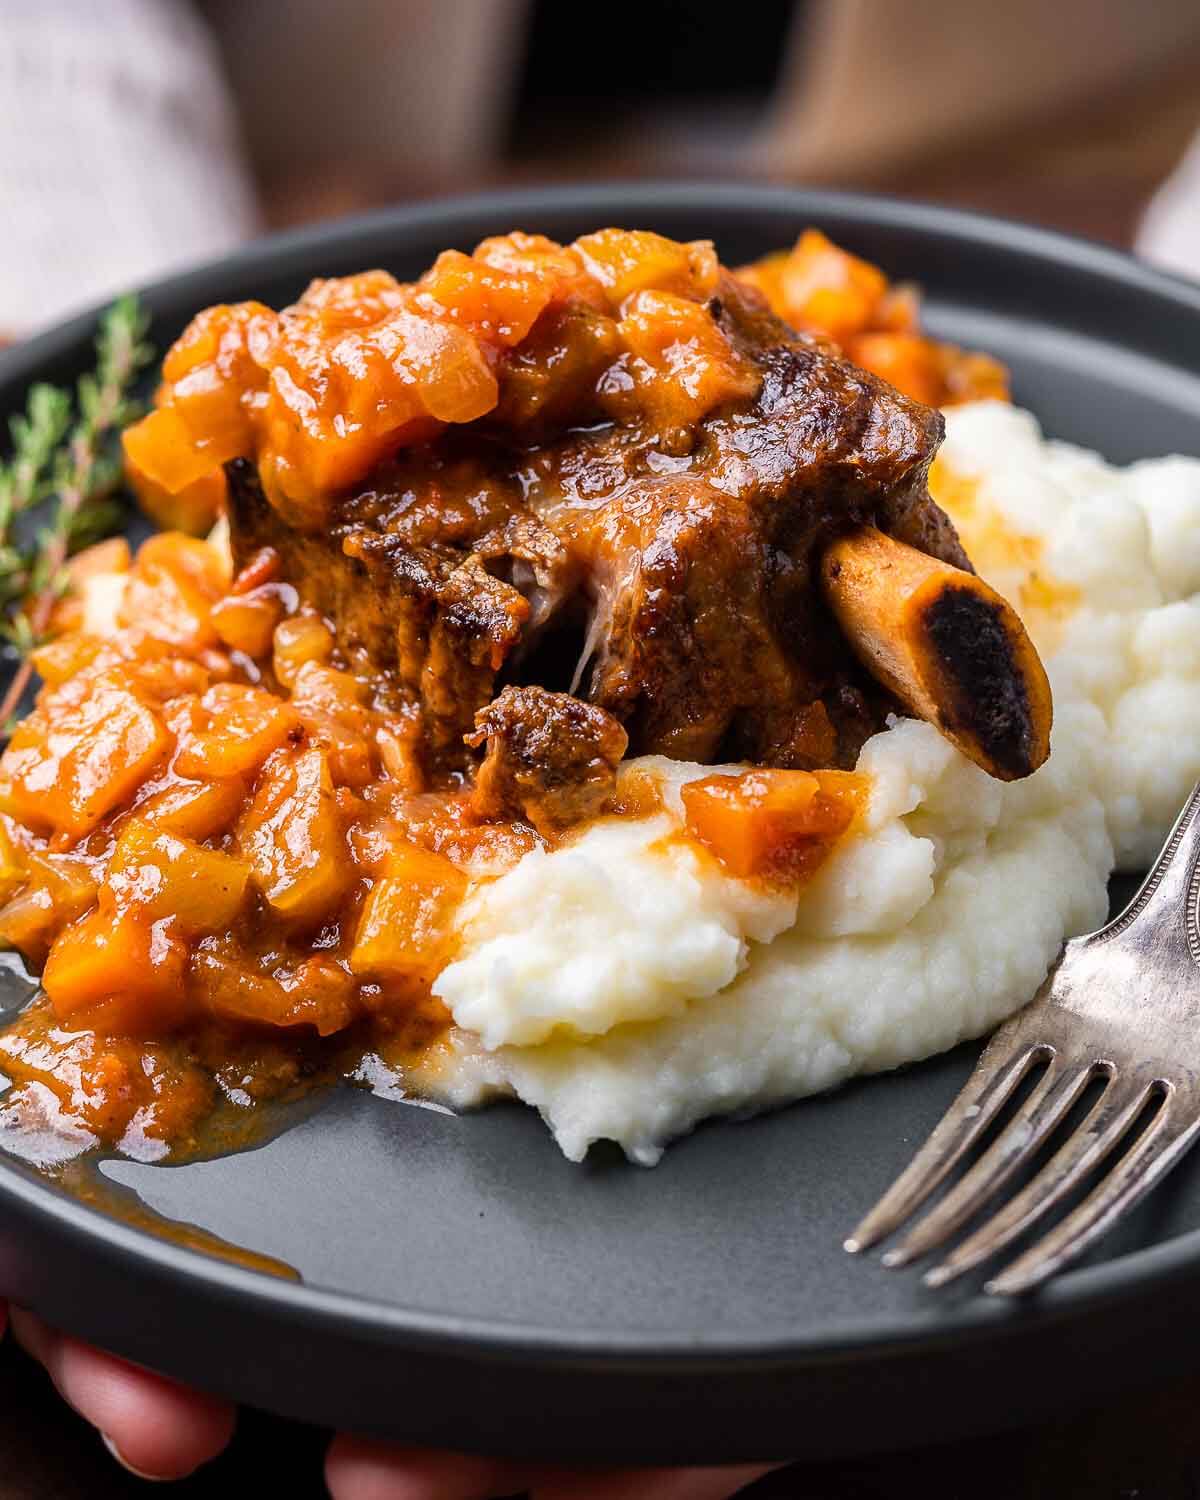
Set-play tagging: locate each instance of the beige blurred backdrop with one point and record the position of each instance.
(137, 136)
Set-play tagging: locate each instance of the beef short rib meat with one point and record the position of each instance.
(551, 759)
(674, 566)
(430, 618)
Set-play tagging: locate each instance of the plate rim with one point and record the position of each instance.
(1135, 1274)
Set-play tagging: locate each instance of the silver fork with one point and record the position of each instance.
(1120, 1007)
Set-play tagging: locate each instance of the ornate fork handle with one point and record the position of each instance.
(1172, 886)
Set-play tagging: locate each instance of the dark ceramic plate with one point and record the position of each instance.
(463, 1285)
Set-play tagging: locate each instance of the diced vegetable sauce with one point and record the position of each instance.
(218, 837)
(822, 289)
(364, 365)
(221, 851)
(775, 825)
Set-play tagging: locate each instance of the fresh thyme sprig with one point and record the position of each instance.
(78, 474)
(35, 439)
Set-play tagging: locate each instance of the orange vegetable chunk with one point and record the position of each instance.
(66, 656)
(625, 261)
(193, 509)
(830, 289)
(683, 363)
(54, 890)
(238, 728)
(170, 876)
(117, 972)
(174, 584)
(499, 303)
(294, 837)
(113, 555)
(82, 753)
(301, 638)
(405, 928)
(195, 809)
(13, 870)
(906, 360)
(247, 622)
(161, 450)
(778, 823)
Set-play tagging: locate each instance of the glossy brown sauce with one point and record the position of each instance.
(237, 830)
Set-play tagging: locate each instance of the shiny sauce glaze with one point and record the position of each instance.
(223, 843)
(216, 848)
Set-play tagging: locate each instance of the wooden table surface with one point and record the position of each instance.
(1142, 1447)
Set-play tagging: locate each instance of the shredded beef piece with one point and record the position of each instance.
(551, 760)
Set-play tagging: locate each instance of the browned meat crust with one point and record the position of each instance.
(669, 577)
(551, 759)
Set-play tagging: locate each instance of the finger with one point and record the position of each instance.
(358, 1469)
(158, 1429)
(652, 1484)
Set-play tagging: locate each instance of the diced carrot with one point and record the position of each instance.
(321, 995)
(625, 261)
(170, 876)
(495, 302)
(161, 448)
(110, 556)
(235, 730)
(247, 621)
(204, 566)
(79, 755)
(193, 509)
(161, 603)
(174, 584)
(116, 972)
(405, 929)
(327, 690)
(331, 705)
(398, 743)
(301, 638)
(70, 880)
(683, 363)
(771, 822)
(68, 655)
(29, 923)
(195, 809)
(829, 289)
(294, 837)
(54, 890)
(351, 756)
(232, 992)
(13, 870)
(906, 360)
(159, 679)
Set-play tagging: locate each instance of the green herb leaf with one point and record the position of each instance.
(61, 455)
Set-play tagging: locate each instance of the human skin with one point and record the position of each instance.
(160, 1430)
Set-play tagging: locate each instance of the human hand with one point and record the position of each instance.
(149, 1424)
(160, 1430)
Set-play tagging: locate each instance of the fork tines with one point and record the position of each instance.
(1119, 1016)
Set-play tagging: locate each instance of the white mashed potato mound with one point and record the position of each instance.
(627, 989)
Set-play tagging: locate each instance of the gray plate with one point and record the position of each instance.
(462, 1283)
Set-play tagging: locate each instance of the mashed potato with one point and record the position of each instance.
(627, 989)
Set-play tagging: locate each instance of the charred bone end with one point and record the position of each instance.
(948, 646)
(984, 694)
